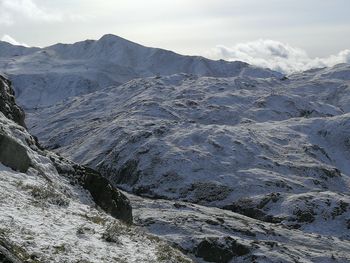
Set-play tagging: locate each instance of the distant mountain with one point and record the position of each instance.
(8, 50)
(45, 76)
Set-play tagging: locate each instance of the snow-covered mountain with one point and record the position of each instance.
(228, 162)
(275, 150)
(45, 76)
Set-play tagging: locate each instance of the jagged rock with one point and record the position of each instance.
(13, 154)
(106, 196)
(220, 251)
(7, 257)
(253, 209)
(8, 105)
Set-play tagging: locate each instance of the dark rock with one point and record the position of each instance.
(178, 205)
(203, 192)
(331, 173)
(249, 208)
(104, 194)
(341, 209)
(220, 251)
(7, 257)
(128, 173)
(13, 154)
(8, 105)
(305, 216)
(109, 198)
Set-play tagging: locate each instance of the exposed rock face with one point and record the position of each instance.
(13, 154)
(106, 196)
(220, 251)
(8, 105)
(7, 257)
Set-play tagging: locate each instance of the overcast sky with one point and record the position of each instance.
(214, 28)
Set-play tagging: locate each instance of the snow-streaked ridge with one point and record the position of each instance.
(45, 76)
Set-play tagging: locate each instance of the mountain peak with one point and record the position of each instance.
(110, 38)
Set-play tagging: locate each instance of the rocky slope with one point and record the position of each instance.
(7, 102)
(51, 210)
(269, 149)
(216, 235)
(45, 76)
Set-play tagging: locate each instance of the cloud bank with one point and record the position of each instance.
(277, 56)
(10, 10)
(13, 11)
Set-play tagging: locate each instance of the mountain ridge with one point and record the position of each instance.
(42, 77)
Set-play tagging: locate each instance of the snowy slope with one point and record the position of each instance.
(46, 219)
(44, 76)
(47, 216)
(274, 150)
(216, 235)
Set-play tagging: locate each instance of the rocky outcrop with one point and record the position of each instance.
(104, 194)
(8, 105)
(220, 251)
(7, 257)
(13, 154)
(109, 198)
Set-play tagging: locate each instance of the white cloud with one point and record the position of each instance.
(5, 19)
(277, 56)
(12, 11)
(28, 9)
(12, 41)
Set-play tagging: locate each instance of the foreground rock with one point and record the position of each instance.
(108, 197)
(13, 154)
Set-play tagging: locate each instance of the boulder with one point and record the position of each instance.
(108, 197)
(220, 250)
(6, 256)
(13, 154)
(104, 194)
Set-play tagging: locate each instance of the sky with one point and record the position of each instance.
(281, 34)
